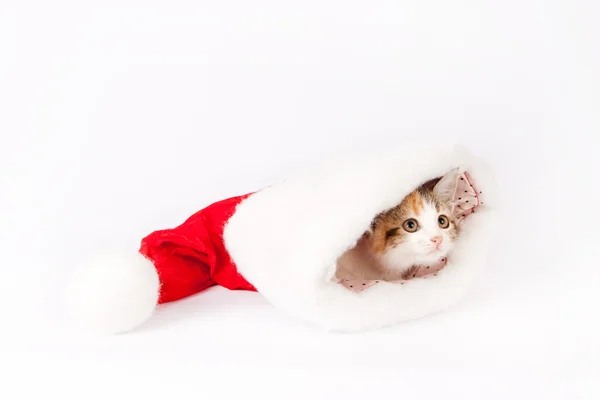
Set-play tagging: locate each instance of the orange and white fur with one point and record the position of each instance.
(419, 231)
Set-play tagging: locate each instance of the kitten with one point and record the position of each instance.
(421, 230)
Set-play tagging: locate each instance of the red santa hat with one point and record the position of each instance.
(283, 241)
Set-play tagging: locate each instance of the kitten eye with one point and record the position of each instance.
(443, 221)
(410, 225)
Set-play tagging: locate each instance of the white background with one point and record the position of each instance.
(121, 117)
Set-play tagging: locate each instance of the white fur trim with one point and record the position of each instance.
(113, 293)
(285, 239)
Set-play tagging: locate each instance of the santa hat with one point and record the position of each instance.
(283, 241)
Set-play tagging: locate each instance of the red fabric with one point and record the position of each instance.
(192, 256)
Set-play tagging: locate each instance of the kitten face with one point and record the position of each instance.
(420, 230)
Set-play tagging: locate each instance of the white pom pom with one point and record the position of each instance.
(113, 294)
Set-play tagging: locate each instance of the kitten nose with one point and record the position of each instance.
(437, 240)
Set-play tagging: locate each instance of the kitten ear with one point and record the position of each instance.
(446, 187)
